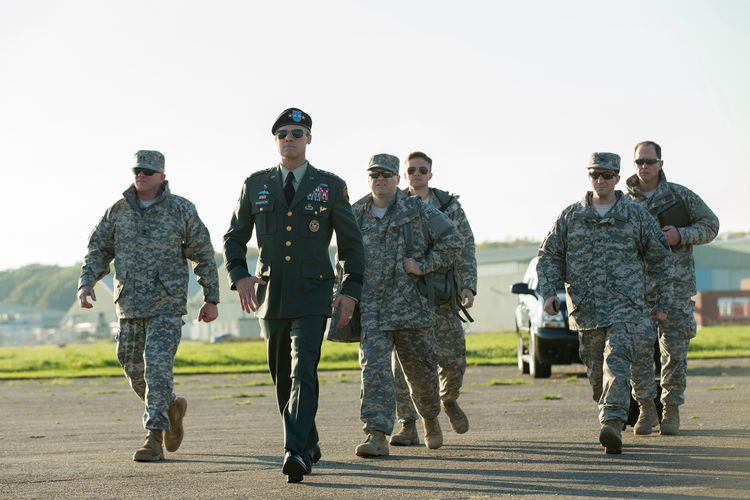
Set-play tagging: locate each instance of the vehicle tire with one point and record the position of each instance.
(537, 369)
(523, 366)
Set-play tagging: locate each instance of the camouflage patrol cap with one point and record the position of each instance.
(606, 161)
(292, 116)
(385, 161)
(149, 160)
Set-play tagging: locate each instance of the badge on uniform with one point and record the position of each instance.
(314, 226)
(319, 194)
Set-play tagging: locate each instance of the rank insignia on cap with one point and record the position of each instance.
(297, 115)
(314, 226)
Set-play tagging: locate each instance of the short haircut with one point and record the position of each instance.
(649, 143)
(419, 154)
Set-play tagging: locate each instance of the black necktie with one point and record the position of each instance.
(289, 188)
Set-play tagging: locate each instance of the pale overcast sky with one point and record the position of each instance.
(508, 97)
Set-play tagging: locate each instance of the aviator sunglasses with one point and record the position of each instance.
(146, 172)
(296, 133)
(384, 175)
(647, 161)
(608, 176)
(422, 170)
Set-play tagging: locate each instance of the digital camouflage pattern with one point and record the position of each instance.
(390, 297)
(150, 160)
(450, 352)
(394, 312)
(605, 161)
(603, 262)
(162, 335)
(675, 333)
(703, 228)
(415, 348)
(150, 248)
(610, 355)
(600, 260)
(449, 333)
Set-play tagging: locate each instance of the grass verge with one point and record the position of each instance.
(98, 359)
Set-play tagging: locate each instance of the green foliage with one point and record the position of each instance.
(40, 286)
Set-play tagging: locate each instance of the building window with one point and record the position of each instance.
(734, 307)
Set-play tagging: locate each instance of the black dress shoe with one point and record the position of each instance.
(294, 467)
(315, 454)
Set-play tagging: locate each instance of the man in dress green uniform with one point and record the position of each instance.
(294, 209)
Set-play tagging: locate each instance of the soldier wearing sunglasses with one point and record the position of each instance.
(450, 342)
(404, 239)
(686, 221)
(294, 209)
(605, 249)
(150, 234)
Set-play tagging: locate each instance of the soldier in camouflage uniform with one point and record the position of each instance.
(450, 343)
(598, 248)
(686, 221)
(396, 313)
(149, 234)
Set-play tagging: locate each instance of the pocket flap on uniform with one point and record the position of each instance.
(262, 206)
(319, 270)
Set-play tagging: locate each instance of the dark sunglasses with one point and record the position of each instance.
(296, 133)
(384, 175)
(608, 176)
(144, 171)
(422, 170)
(647, 161)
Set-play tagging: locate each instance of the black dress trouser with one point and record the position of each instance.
(293, 356)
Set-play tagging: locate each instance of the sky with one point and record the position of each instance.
(509, 98)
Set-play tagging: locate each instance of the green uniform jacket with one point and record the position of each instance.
(603, 261)
(293, 243)
(701, 227)
(150, 247)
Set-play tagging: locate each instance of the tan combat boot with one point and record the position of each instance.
(647, 418)
(610, 436)
(456, 417)
(173, 437)
(407, 436)
(670, 422)
(433, 436)
(374, 446)
(151, 451)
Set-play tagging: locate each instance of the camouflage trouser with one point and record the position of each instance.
(674, 337)
(610, 355)
(146, 348)
(450, 349)
(415, 350)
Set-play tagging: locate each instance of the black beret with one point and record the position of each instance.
(292, 116)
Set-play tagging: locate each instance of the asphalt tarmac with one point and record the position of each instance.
(528, 438)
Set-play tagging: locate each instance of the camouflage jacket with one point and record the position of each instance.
(465, 266)
(702, 228)
(391, 299)
(600, 260)
(149, 248)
